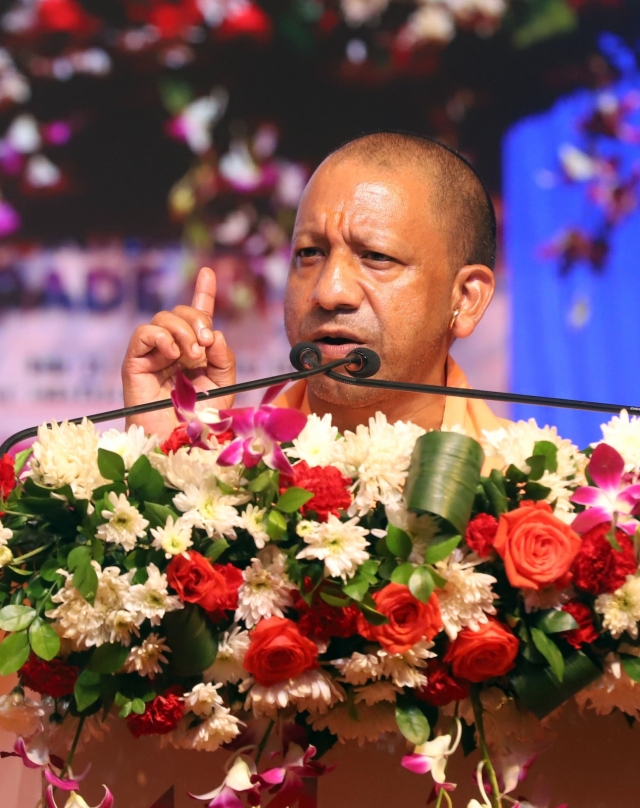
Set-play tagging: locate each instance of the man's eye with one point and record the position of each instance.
(377, 256)
(308, 252)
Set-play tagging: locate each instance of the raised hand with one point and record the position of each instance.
(184, 338)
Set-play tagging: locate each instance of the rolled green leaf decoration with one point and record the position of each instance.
(443, 477)
(191, 639)
(540, 690)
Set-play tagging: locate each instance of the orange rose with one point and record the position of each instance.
(410, 620)
(479, 655)
(278, 651)
(537, 548)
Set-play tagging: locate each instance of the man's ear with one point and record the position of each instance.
(473, 290)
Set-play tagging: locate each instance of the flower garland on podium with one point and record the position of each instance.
(260, 576)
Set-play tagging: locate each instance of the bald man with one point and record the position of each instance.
(393, 249)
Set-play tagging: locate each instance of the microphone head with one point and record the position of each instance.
(365, 363)
(305, 355)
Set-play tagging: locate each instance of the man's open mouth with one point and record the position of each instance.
(336, 341)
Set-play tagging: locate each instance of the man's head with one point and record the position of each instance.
(394, 235)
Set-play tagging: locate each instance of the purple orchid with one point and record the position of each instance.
(294, 781)
(611, 498)
(432, 756)
(259, 432)
(198, 424)
(75, 800)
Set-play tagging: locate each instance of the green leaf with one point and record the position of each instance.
(439, 550)
(549, 451)
(369, 570)
(357, 588)
(440, 582)
(20, 459)
(261, 482)
(398, 542)
(44, 641)
(549, 651)
(276, 525)
(192, 639)
(108, 658)
(387, 568)
(111, 465)
(495, 490)
(443, 477)
(546, 18)
(87, 689)
(293, 499)
(215, 550)
(537, 464)
(402, 574)
(383, 550)
(14, 652)
(555, 621)
(145, 481)
(157, 515)
(49, 570)
(16, 618)
(373, 616)
(126, 710)
(78, 557)
(85, 580)
(412, 722)
(631, 665)
(97, 550)
(421, 584)
(138, 706)
(536, 492)
(332, 600)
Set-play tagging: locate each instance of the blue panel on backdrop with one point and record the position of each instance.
(575, 308)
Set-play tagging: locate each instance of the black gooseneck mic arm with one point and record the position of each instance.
(305, 357)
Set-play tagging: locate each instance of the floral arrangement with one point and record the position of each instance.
(259, 578)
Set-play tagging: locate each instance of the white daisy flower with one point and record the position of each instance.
(219, 728)
(467, 597)
(341, 545)
(151, 600)
(266, 591)
(125, 524)
(313, 690)
(203, 699)
(228, 665)
(621, 610)
(207, 508)
(623, 434)
(316, 443)
(614, 690)
(358, 669)
(174, 538)
(6, 556)
(130, 445)
(407, 669)
(369, 723)
(253, 521)
(5, 534)
(148, 657)
(376, 692)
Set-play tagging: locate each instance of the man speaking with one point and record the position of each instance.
(393, 249)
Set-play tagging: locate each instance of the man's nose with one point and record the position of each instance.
(338, 285)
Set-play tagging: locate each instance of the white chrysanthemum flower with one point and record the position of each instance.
(547, 598)
(359, 12)
(614, 690)
(406, 670)
(130, 445)
(125, 523)
(147, 657)
(341, 545)
(253, 521)
(228, 666)
(358, 669)
(151, 600)
(376, 692)
(623, 434)
(207, 508)
(192, 466)
(313, 690)
(467, 597)
(266, 591)
(429, 23)
(20, 714)
(316, 444)
(219, 728)
(516, 442)
(368, 726)
(377, 457)
(203, 699)
(5, 534)
(621, 610)
(174, 538)
(67, 454)
(108, 620)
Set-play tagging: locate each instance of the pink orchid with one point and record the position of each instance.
(198, 423)
(240, 779)
(288, 780)
(432, 756)
(611, 498)
(75, 800)
(260, 431)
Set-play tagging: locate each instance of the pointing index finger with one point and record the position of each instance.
(204, 295)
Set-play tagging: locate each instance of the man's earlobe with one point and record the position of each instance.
(473, 290)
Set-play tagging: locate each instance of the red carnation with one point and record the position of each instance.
(322, 621)
(441, 688)
(176, 440)
(600, 568)
(586, 632)
(329, 486)
(55, 678)
(481, 533)
(161, 715)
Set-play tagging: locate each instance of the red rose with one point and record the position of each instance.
(214, 587)
(161, 715)
(441, 687)
(410, 620)
(586, 632)
(176, 440)
(55, 678)
(322, 621)
(278, 651)
(479, 655)
(329, 486)
(481, 533)
(599, 568)
(536, 547)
